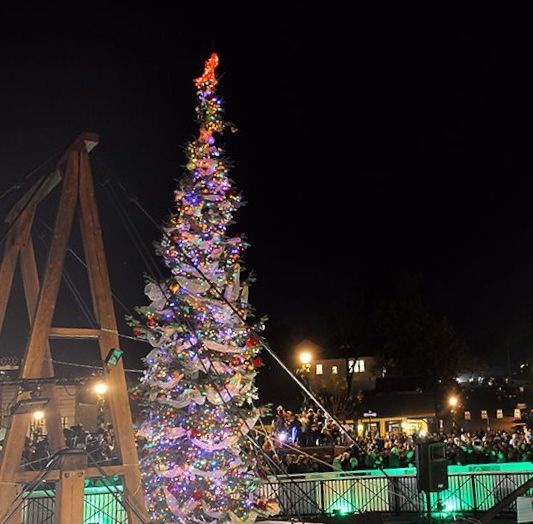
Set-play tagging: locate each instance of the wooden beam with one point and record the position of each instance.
(36, 193)
(35, 350)
(70, 488)
(37, 343)
(85, 143)
(7, 271)
(93, 245)
(30, 281)
(9, 492)
(74, 333)
(24, 477)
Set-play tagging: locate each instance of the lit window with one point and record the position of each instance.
(334, 370)
(319, 369)
(351, 363)
(357, 366)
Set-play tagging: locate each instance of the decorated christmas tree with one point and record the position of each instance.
(198, 387)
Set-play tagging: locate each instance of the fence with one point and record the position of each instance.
(102, 505)
(471, 489)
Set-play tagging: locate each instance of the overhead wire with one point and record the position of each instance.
(145, 254)
(30, 197)
(82, 262)
(19, 185)
(78, 298)
(87, 366)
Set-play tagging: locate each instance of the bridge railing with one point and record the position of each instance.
(394, 491)
(471, 489)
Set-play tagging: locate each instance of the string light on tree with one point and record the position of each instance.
(198, 387)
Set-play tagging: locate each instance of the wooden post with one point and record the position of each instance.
(10, 491)
(38, 340)
(30, 280)
(103, 306)
(70, 488)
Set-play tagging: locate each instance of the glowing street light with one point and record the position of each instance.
(304, 370)
(38, 415)
(453, 401)
(100, 388)
(305, 357)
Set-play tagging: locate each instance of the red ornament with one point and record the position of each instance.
(253, 342)
(151, 321)
(235, 361)
(197, 495)
(137, 332)
(194, 432)
(257, 362)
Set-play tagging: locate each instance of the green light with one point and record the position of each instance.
(341, 507)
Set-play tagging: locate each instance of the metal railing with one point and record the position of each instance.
(100, 506)
(316, 494)
(350, 492)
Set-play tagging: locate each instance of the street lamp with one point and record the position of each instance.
(453, 402)
(305, 357)
(38, 415)
(100, 388)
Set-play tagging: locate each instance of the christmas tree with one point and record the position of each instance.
(198, 388)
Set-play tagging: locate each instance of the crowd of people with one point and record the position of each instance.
(307, 429)
(99, 444)
(286, 448)
(292, 433)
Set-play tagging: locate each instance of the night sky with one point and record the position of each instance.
(372, 145)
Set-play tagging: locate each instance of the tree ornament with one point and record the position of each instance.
(253, 342)
(137, 331)
(257, 362)
(236, 360)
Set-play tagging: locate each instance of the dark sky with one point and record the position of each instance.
(372, 145)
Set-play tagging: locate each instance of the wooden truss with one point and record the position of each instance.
(74, 173)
